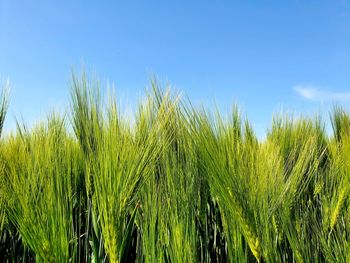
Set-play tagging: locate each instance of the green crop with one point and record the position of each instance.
(172, 183)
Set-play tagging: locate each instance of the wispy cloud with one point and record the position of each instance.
(312, 92)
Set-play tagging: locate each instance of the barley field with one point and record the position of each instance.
(177, 183)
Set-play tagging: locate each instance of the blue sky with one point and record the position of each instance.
(263, 55)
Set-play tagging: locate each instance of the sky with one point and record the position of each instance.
(266, 56)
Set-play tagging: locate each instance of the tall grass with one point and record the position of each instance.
(170, 195)
(174, 184)
(41, 167)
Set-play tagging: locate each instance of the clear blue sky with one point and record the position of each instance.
(264, 55)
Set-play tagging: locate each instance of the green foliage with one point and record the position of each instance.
(174, 184)
(41, 169)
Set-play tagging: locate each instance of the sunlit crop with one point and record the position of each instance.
(174, 184)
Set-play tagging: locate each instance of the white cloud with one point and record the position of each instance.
(314, 93)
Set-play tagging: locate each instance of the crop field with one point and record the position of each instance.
(174, 184)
